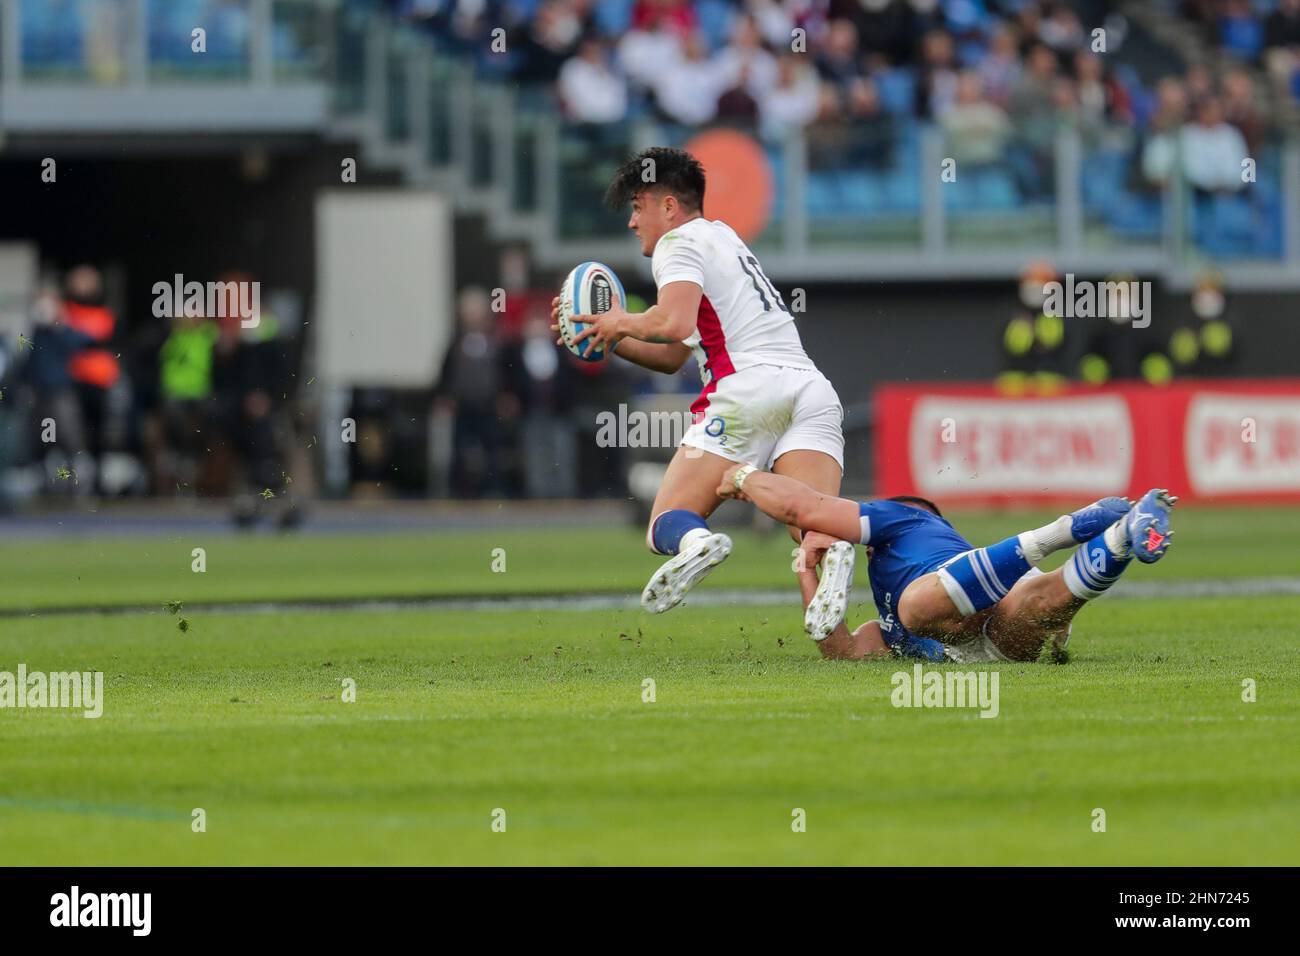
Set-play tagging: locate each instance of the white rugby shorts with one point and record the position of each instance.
(757, 414)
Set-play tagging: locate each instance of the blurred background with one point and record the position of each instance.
(407, 183)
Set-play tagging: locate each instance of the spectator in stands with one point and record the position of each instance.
(1035, 105)
(1102, 101)
(774, 20)
(838, 60)
(1213, 150)
(1282, 26)
(676, 16)
(659, 28)
(853, 130)
(1029, 22)
(687, 91)
(811, 16)
(1282, 44)
(1065, 99)
(1241, 33)
(976, 130)
(936, 86)
(1240, 108)
(551, 38)
(1061, 30)
(590, 91)
(795, 101)
(745, 64)
(1032, 95)
(888, 27)
(1198, 82)
(1160, 151)
(999, 70)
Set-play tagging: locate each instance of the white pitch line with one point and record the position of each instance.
(705, 598)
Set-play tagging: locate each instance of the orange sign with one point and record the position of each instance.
(739, 188)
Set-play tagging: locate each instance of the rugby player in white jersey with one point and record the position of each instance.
(763, 403)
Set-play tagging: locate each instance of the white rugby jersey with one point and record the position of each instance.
(742, 319)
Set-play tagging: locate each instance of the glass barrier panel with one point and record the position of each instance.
(75, 40)
(863, 185)
(301, 40)
(589, 154)
(1002, 194)
(221, 52)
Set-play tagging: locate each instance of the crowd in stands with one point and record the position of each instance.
(782, 64)
(998, 77)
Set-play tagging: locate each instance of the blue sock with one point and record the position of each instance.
(926, 648)
(670, 527)
(981, 578)
(1095, 566)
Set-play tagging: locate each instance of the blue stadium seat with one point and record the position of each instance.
(901, 189)
(715, 19)
(996, 189)
(897, 91)
(1137, 217)
(1102, 180)
(823, 196)
(526, 10)
(52, 33)
(613, 17)
(862, 193)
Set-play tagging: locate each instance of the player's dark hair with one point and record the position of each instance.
(673, 171)
(925, 503)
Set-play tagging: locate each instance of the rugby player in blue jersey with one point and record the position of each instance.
(939, 597)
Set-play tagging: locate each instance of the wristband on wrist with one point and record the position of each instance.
(738, 479)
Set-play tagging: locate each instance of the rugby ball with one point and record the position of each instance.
(590, 289)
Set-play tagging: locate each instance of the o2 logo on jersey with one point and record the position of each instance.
(715, 427)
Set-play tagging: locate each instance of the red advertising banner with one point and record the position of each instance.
(1209, 440)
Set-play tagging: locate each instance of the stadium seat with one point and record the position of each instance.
(823, 196)
(862, 192)
(613, 17)
(901, 191)
(897, 90)
(715, 18)
(1137, 217)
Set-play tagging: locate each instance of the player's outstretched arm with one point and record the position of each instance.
(792, 502)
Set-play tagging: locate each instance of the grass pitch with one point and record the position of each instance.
(542, 715)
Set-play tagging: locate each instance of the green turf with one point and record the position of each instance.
(147, 571)
(542, 715)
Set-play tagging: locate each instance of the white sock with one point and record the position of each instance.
(690, 537)
(1041, 542)
(1116, 538)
